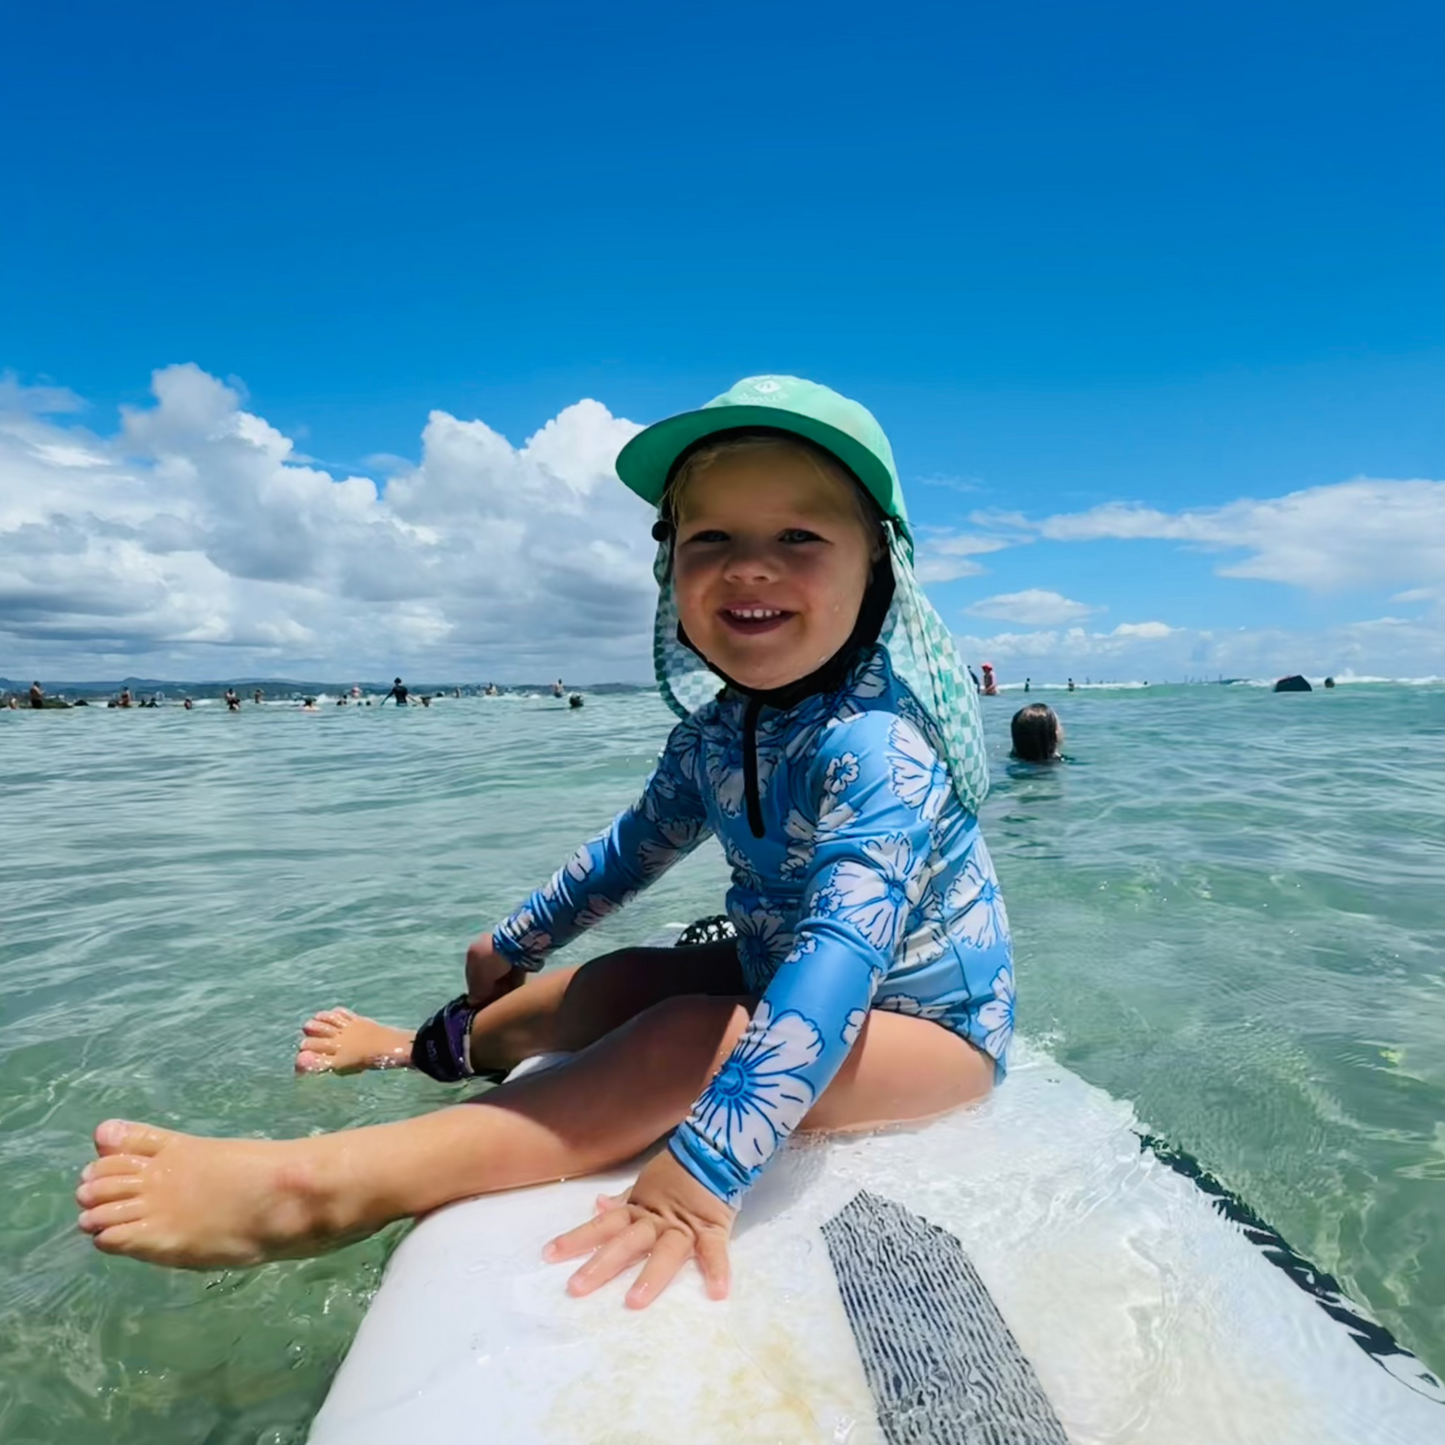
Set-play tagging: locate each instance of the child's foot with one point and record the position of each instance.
(199, 1203)
(341, 1042)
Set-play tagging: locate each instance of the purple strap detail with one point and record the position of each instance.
(440, 1048)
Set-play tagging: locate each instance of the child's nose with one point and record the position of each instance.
(750, 562)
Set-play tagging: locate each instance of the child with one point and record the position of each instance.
(1037, 734)
(871, 981)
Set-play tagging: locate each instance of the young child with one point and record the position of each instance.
(1037, 734)
(840, 766)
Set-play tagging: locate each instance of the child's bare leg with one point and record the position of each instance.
(560, 1009)
(180, 1200)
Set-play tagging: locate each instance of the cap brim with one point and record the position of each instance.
(646, 462)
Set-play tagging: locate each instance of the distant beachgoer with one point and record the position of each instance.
(308, 704)
(37, 695)
(233, 701)
(557, 689)
(1028, 683)
(1329, 682)
(257, 696)
(341, 701)
(1071, 684)
(990, 686)
(398, 691)
(125, 698)
(187, 704)
(13, 703)
(575, 700)
(426, 699)
(1037, 734)
(355, 689)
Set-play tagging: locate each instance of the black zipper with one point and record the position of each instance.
(750, 766)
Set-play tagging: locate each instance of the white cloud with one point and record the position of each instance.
(1034, 607)
(194, 540)
(1358, 534)
(944, 556)
(1144, 631)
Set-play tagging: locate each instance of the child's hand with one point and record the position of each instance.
(667, 1218)
(489, 973)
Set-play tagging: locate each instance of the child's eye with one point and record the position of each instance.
(709, 534)
(794, 535)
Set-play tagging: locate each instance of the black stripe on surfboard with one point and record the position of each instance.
(1373, 1338)
(942, 1366)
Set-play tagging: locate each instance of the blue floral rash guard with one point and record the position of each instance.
(859, 881)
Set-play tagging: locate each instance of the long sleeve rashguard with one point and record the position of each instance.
(868, 887)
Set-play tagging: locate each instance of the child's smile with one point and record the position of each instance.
(772, 561)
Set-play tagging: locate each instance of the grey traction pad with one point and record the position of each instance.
(939, 1359)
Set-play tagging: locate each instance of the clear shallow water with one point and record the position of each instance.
(1227, 911)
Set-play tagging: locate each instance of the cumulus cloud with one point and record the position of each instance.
(1358, 534)
(1033, 607)
(945, 556)
(195, 537)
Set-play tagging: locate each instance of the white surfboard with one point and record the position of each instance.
(1027, 1271)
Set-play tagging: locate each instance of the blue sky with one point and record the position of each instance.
(1186, 261)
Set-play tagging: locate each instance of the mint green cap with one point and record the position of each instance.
(817, 413)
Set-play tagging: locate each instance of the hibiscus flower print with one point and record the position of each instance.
(760, 1096)
(873, 680)
(974, 905)
(806, 836)
(744, 871)
(905, 1003)
(928, 939)
(997, 1015)
(841, 774)
(917, 776)
(577, 869)
(522, 930)
(877, 895)
(763, 942)
(599, 907)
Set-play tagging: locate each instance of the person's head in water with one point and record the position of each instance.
(1037, 734)
(775, 547)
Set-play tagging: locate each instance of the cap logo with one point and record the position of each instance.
(766, 388)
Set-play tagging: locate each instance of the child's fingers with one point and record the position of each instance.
(712, 1260)
(587, 1237)
(668, 1256)
(635, 1241)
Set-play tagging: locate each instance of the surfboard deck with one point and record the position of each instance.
(1022, 1272)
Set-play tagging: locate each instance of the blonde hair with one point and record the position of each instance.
(824, 463)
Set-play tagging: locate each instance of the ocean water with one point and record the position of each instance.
(1227, 909)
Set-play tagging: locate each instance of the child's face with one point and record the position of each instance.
(771, 563)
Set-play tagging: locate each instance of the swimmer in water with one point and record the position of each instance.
(1037, 734)
(399, 692)
(990, 686)
(872, 971)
